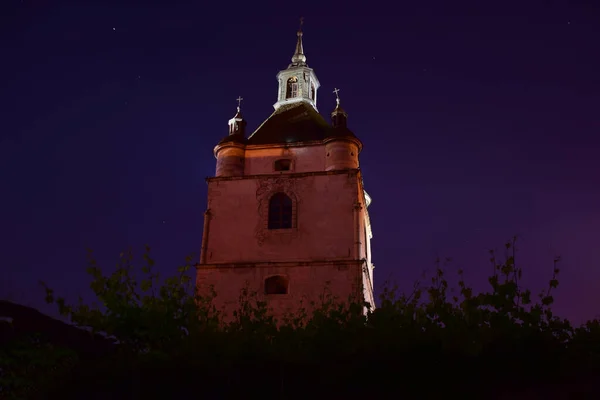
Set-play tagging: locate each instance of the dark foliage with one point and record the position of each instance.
(501, 343)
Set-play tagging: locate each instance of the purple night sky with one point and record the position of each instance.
(479, 122)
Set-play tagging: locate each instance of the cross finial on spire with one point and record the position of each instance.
(338, 116)
(239, 100)
(337, 96)
(299, 58)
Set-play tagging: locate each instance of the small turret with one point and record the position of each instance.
(237, 124)
(341, 145)
(339, 117)
(230, 152)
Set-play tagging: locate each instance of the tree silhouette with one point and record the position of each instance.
(433, 341)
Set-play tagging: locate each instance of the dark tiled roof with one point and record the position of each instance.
(341, 132)
(27, 321)
(298, 122)
(236, 138)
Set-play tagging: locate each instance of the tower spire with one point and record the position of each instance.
(297, 83)
(299, 58)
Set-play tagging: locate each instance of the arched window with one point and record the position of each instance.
(283, 165)
(280, 211)
(313, 91)
(276, 285)
(292, 88)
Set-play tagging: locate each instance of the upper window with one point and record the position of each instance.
(283, 165)
(313, 92)
(280, 211)
(276, 285)
(292, 88)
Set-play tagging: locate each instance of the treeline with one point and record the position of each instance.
(504, 342)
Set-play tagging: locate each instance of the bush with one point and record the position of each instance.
(172, 342)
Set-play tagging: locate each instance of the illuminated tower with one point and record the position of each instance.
(287, 212)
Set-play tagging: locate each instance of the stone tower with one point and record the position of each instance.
(287, 212)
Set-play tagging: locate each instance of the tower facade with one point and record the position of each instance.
(287, 211)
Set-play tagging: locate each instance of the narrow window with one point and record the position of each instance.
(280, 212)
(276, 285)
(312, 92)
(283, 165)
(292, 88)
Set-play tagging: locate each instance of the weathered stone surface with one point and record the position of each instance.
(326, 250)
(325, 242)
(308, 282)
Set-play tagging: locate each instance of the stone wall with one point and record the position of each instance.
(324, 225)
(308, 282)
(304, 159)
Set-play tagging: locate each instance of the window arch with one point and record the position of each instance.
(284, 164)
(291, 88)
(276, 285)
(280, 211)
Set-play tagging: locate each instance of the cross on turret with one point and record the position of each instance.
(237, 123)
(337, 96)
